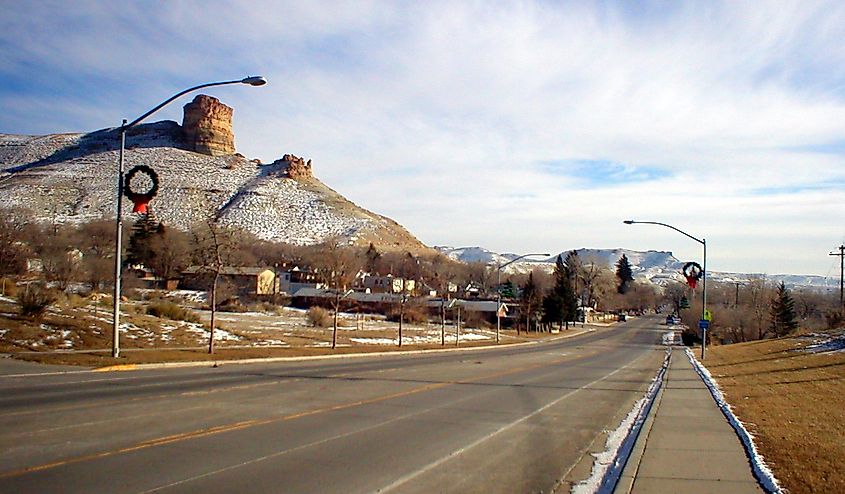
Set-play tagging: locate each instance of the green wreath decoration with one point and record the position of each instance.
(140, 197)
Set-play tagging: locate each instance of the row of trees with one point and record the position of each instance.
(756, 309)
(84, 253)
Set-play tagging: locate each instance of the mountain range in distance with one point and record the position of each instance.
(658, 267)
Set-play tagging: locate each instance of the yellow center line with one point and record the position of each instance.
(257, 422)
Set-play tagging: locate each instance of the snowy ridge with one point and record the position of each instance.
(658, 267)
(70, 178)
(761, 471)
(482, 255)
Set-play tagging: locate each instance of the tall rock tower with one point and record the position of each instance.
(207, 124)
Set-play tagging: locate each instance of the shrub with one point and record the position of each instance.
(834, 319)
(232, 305)
(413, 315)
(34, 300)
(8, 287)
(172, 311)
(319, 317)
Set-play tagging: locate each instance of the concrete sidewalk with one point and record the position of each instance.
(687, 445)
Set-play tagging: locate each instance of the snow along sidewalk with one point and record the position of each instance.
(689, 446)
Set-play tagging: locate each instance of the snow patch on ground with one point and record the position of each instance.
(758, 464)
(671, 338)
(271, 343)
(202, 332)
(824, 342)
(611, 457)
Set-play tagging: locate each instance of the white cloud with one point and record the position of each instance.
(438, 113)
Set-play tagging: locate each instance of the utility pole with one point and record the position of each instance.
(841, 255)
(738, 284)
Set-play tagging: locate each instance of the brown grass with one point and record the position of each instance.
(793, 403)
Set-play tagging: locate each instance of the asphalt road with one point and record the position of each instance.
(511, 419)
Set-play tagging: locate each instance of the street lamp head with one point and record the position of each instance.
(628, 222)
(255, 80)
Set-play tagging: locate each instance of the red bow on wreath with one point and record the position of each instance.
(139, 199)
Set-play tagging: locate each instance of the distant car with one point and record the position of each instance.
(672, 319)
(622, 318)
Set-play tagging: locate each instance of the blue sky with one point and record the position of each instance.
(517, 126)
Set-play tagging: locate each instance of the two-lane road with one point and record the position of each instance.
(510, 419)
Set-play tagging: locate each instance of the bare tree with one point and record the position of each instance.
(171, 253)
(215, 246)
(440, 271)
(339, 265)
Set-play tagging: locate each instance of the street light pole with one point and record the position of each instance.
(499, 292)
(118, 261)
(703, 243)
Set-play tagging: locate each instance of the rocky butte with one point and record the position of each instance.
(207, 126)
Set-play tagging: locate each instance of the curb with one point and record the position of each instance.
(762, 473)
(220, 363)
(629, 474)
(613, 475)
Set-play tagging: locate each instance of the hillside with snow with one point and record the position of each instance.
(658, 267)
(71, 178)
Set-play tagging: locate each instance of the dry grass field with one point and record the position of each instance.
(77, 330)
(789, 393)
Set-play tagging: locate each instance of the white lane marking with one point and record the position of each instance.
(435, 464)
(308, 445)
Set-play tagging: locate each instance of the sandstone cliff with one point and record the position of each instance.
(207, 126)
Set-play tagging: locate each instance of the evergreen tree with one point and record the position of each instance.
(624, 274)
(145, 229)
(783, 312)
(560, 305)
(573, 268)
(373, 257)
(508, 290)
(573, 272)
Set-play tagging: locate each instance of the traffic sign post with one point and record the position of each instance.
(704, 325)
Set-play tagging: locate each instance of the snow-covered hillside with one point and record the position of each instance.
(658, 267)
(71, 178)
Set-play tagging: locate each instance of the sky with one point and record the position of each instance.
(518, 126)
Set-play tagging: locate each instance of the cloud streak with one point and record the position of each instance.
(517, 125)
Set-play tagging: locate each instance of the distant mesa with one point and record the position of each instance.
(207, 126)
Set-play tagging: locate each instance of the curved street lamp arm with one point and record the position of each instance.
(500, 266)
(124, 128)
(632, 222)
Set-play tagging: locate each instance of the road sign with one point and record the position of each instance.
(503, 311)
(708, 315)
(703, 324)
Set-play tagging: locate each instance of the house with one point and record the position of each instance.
(296, 278)
(386, 284)
(368, 302)
(247, 280)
